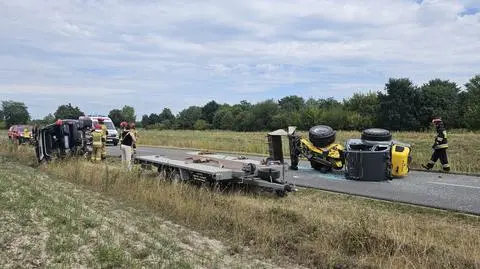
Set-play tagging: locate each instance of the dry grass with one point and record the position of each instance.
(313, 228)
(462, 152)
(48, 222)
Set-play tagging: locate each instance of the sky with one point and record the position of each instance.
(104, 54)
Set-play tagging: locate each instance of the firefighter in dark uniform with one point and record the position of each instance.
(440, 147)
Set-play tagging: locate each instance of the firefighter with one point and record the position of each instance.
(97, 143)
(439, 147)
(104, 137)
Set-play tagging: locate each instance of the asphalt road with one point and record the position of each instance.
(437, 190)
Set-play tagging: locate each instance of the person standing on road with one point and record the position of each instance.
(123, 125)
(97, 143)
(104, 137)
(128, 139)
(135, 134)
(439, 147)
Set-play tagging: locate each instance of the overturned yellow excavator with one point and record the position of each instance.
(320, 149)
(374, 156)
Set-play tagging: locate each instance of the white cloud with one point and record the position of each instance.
(152, 54)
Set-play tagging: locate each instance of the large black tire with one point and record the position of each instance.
(321, 135)
(376, 134)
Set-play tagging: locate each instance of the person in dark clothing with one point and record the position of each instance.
(439, 147)
(128, 139)
(294, 142)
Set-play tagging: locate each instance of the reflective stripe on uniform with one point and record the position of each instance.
(445, 165)
(441, 146)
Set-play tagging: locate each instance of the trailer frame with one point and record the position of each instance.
(249, 172)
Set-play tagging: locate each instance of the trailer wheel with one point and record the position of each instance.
(175, 176)
(376, 134)
(321, 135)
(281, 193)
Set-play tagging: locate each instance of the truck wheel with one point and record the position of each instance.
(321, 135)
(376, 134)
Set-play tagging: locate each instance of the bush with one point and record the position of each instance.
(200, 125)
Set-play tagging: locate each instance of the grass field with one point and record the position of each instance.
(48, 222)
(313, 228)
(463, 151)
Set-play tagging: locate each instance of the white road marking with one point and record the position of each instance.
(455, 185)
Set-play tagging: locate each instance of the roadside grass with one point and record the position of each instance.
(313, 228)
(41, 226)
(463, 150)
(49, 222)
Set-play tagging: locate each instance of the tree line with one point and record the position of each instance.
(401, 106)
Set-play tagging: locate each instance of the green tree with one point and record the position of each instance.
(166, 115)
(15, 113)
(363, 108)
(471, 101)
(224, 118)
(328, 103)
(440, 98)
(187, 117)
(244, 122)
(68, 112)
(2, 115)
(116, 116)
(399, 106)
(263, 113)
(153, 119)
(145, 121)
(48, 119)
(208, 111)
(310, 116)
(167, 119)
(128, 113)
(291, 103)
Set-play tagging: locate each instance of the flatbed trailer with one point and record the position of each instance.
(220, 169)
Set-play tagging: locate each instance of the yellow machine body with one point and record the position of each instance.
(400, 160)
(330, 152)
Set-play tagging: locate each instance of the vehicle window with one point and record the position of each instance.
(110, 125)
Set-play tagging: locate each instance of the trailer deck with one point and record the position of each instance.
(216, 173)
(217, 168)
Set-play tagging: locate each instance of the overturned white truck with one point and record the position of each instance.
(64, 138)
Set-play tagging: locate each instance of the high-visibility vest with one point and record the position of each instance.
(97, 138)
(441, 139)
(104, 130)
